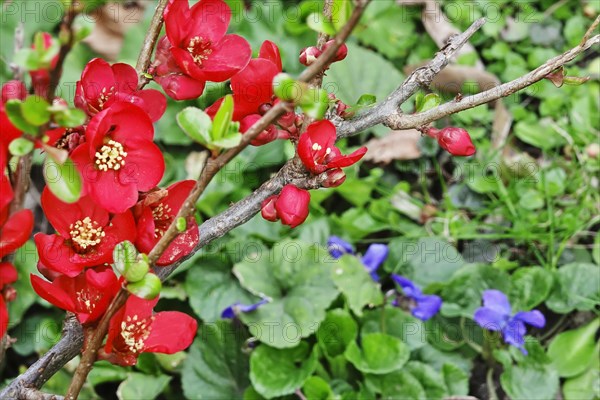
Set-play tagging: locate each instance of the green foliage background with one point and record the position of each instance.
(523, 220)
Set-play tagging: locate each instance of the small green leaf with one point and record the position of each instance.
(378, 354)
(314, 103)
(230, 139)
(427, 102)
(141, 386)
(69, 118)
(15, 115)
(222, 120)
(341, 10)
(279, 372)
(148, 288)
(20, 146)
(366, 100)
(196, 124)
(28, 59)
(316, 388)
(124, 254)
(572, 352)
(576, 287)
(575, 80)
(35, 110)
(287, 88)
(352, 279)
(336, 332)
(530, 287)
(319, 23)
(63, 180)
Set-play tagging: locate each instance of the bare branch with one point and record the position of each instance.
(404, 121)
(421, 77)
(143, 61)
(68, 346)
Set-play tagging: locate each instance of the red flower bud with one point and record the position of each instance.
(455, 141)
(13, 90)
(335, 177)
(268, 210)
(292, 205)
(266, 136)
(309, 55)
(341, 53)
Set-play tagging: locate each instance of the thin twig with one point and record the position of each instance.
(143, 61)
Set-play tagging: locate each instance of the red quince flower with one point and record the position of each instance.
(8, 275)
(253, 86)
(316, 149)
(119, 158)
(292, 205)
(87, 295)
(102, 85)
(14, 231)
(455, 141)
(40, 78)
(135, 329)
(86, 234)
(155, 214)
(199, 44)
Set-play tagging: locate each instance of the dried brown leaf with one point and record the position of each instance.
(397, 145)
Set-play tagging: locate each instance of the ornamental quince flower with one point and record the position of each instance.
(86, 234)
(14, 230)
(102, 85)
(424, 306)
(198, 43)
(135, 329)
(372, 259)
(253, 86)
(119, 158)
(496, 315)
(236, 308)
(316, 149)
(154, 215)
(455, 141)
(87, 295)
(8, 275)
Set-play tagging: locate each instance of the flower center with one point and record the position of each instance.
(162, 219)
(87, 300)
(320, 159)
(199, 49)
(86, 233)
(111, 156)
(104, 96)
(135, 332)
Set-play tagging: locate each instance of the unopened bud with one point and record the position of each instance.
(309, 55)
(268, 210)
(334, 178)
(148, 288)
(342, 52)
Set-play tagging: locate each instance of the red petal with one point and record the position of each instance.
(53, 293)
(209, 20)
(305, 152)
(270, 51)
(8, 274)
(5, 189)
(126, 79)
(154, 103)
(96, 77)
(181, 87)
(55, 254)
(185, 61)
(177, 15)
(346, 161)
(144, 166)
(178, 192)
(129, 121)
(229, 56)
(111, 194)
(122, 228)
(61, 215)
(164, 339)
(15, 231)
(146, 238)
(182, 245)
(3, 317)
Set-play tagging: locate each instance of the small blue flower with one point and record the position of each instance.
(496, 315)
(427, 305)
(236, 308)
(372, 259)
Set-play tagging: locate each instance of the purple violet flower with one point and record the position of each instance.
(236, 308)
(496, 315)
(372, 259)
(427, 305)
